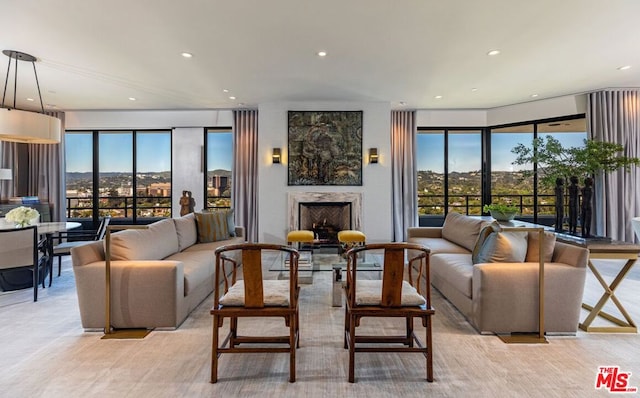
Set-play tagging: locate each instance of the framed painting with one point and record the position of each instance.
(325, 148)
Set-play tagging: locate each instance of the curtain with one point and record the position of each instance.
(244, 176)
(403, 173)
(614, 116)
(8, 160)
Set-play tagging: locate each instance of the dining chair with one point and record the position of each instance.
(19, 249)
(77, 238)
(253, 296)
(397, 294)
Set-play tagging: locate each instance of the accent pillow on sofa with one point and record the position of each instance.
(462, 230)
(212, 226)
(534, 244)
(501, 247)
(186, 230)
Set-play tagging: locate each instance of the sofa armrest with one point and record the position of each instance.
(505, 297)
(424, 232)
(135, 302)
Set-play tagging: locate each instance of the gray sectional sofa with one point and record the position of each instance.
(502, 297)
(158, 275)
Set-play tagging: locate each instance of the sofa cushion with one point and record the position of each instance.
(482, 236)
(155, 243)
(502, 247)
(231, 225)
(212, 226)
(455, 268)
(439, 245)
(198, 268)
(461, 229)
(533, 246)
(186, 230)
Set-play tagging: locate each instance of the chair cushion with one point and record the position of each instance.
(302, 235)
(65, 247)
(212, 226)
(369, 292)
(533, 245)
(276, 294)
(351, 236)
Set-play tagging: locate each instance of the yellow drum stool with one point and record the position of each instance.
(349, 239)
(302, 236)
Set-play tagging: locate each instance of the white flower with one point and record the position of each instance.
(22, 215)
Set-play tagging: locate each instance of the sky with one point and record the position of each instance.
(154, 152)
(465, 150)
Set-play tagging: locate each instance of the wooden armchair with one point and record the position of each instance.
(254, 297)
(392, 297)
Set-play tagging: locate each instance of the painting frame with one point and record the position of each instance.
(324, 148)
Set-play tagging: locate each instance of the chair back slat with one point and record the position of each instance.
(252, 274)
(392, 278)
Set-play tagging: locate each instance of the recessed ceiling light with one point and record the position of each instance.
(534, 95)
(493, 52)
(224, 90)
(132, 98)
(322, 53)
(474, 89)
(438, 97)
(232, 97)
(402, 103)
(240, 103)
(29, 99)
(187, 55)
(624, 67)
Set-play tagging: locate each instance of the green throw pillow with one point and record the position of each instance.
(212, 226)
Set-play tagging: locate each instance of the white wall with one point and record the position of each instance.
(187, 140)
(376, 179)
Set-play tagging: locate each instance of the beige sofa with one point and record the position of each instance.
(158, 275)
(502, 297)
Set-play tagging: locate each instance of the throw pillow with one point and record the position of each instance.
(462, 230)
(503, 247)
(230, 223)
(534, 244)
(482, 236)
(212, 226)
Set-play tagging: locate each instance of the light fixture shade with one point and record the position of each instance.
(373, 155)
(6, 174)
(276, 155)
(29, 127)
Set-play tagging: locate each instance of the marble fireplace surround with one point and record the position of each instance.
(295, 198)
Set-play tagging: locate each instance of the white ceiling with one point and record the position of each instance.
(95, 54)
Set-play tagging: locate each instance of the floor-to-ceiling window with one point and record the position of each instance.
(456, 172)
(124, 174)
(219, 158)
(449, 165)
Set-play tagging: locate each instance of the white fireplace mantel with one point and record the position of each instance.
(295, 198)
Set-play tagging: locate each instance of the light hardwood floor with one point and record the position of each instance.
(45, 353)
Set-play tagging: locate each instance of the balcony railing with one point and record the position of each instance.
(120, 206)
(472, 204)
(219, 202)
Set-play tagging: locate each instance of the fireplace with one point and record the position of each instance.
(342, 210)
(325, 219)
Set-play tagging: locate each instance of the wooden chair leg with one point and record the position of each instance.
(297, 328)
(214, 351)
(352, 348)
(59, 265)
(233, 328)
(429, 351)
(410, 331)
(346, 325)
(292, 349)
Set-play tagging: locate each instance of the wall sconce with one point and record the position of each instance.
(276, 155)
(373, 155)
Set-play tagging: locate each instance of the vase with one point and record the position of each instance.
(500, 216)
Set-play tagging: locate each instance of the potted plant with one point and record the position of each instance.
(501, 212)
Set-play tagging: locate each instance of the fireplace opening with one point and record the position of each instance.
(325, 219)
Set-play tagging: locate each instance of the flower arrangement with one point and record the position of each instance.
(23, 216)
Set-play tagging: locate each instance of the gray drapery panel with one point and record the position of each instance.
(403, 173)
(8, 160)
(244, 176)
(614, 116)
